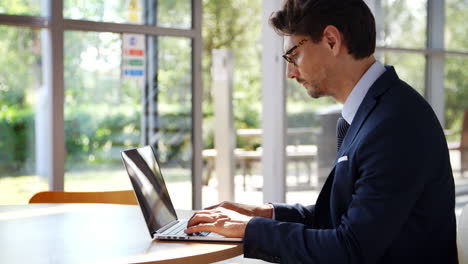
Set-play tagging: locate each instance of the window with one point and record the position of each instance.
(403, 23)
(111, 100)
(102, 111)
(456, 63)
(173, 135)
(20, 114)
(303, 135)
(410, 67)
(455, 30)
(175, 13)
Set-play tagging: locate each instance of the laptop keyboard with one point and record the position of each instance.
(178, 230)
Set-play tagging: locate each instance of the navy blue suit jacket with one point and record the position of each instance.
(391, 201)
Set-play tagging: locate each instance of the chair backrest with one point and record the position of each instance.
(462, 236)
(110, 197)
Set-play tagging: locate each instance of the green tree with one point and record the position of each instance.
(20, 79)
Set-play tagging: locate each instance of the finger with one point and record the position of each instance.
(204, 212)
(205, 218)
(197, 219)
(205, 227)
(216, 227)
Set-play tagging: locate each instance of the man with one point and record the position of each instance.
(390, 195)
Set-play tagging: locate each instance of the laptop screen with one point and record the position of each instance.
(149, 186)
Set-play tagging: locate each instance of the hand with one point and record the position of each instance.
(224, 222)
(265, 210)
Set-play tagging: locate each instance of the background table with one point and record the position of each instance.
(94, 233)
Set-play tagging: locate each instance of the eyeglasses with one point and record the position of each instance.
(287, 55)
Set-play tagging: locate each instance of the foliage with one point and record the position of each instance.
(174, 13)
(456, 37)
(91, 133)
(21, 71)
(86, 135)
(98, 10)
(20, 7)
(403, 23)
(19, 81)
(15, 138)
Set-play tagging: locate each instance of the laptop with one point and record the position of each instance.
(154, 200)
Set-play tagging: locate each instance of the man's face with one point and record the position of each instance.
(309, 64)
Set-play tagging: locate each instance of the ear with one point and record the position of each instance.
(333, 39)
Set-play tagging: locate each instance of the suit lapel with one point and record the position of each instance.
(380, 86)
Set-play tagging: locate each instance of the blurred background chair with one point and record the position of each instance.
(110, 197)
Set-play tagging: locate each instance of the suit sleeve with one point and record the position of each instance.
(294, 213)
(387, 187)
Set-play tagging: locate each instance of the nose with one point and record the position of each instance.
(291, 71)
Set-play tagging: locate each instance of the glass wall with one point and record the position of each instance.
(115, 97)
(456, 76)
(234, 25)
(403, 26)
(20, 91)
(102, 111)
(174, 107)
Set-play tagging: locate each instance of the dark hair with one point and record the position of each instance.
(310, 17)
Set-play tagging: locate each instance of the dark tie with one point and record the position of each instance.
(341, 129)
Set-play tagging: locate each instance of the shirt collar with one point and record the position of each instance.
(359, 91)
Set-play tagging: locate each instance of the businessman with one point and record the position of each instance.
(389, 197)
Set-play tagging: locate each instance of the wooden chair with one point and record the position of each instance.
(463, 146)
(110, 197)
